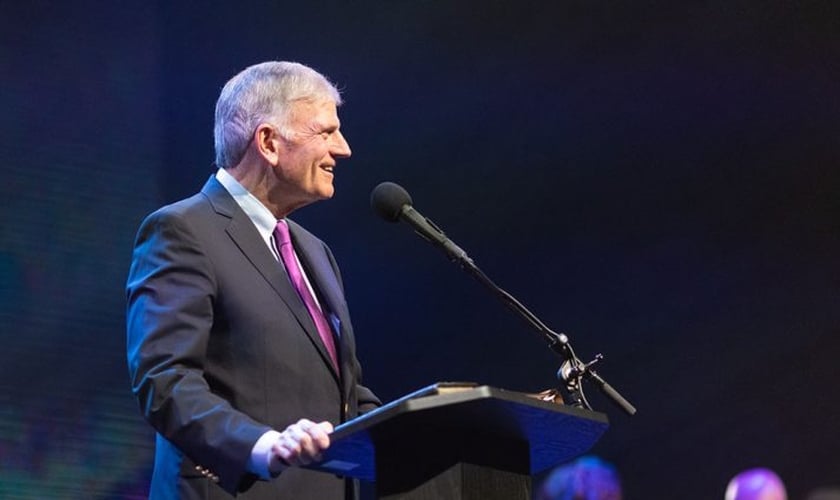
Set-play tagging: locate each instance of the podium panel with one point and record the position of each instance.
(460, 440)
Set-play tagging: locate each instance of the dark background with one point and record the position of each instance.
(656, 179)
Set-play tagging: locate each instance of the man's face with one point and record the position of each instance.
(307, 159)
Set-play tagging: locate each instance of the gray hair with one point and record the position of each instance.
(263, 93)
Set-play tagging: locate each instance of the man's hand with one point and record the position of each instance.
(300, 444)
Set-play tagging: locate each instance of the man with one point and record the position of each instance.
(240, 347)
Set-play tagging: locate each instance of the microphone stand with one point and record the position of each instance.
(572, 371)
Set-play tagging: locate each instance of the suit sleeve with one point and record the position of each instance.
(171, 289)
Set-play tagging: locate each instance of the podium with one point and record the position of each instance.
(460, 441)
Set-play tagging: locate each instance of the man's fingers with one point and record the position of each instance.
(302, 442)
(326, 426)
(308, 424)
(317, 433)
(320, 434)
(280, 458)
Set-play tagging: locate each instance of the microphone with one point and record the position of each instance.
(393, 203)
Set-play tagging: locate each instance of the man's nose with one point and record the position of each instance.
(340, 147)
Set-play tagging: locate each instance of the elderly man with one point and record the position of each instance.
(240, 347)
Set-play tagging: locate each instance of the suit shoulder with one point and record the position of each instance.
(195, 204)
(192, 211)
(191, 215)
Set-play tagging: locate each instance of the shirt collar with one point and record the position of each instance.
(261, 216)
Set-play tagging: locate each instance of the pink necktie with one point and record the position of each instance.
(287, 253)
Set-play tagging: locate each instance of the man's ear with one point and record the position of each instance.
(268, 142)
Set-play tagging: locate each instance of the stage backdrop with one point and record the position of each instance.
(657, 180)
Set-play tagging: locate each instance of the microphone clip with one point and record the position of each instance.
(572, 373)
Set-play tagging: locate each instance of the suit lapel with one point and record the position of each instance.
(246, 237)
(322, 276)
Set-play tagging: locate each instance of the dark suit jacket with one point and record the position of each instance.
(221, 349)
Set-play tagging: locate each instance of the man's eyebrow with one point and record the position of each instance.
(329, 127)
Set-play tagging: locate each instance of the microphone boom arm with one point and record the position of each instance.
(573, 371)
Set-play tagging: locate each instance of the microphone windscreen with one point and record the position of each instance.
(387, 199)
